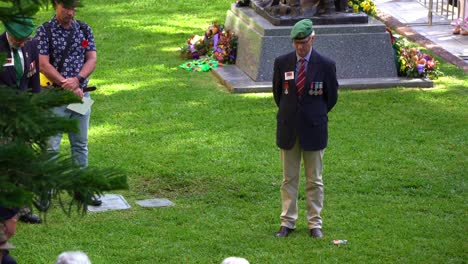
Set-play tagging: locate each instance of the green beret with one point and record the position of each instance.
(19, 27)
(302, 29)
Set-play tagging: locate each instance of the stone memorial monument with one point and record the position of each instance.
(322, 12)
(359, 44)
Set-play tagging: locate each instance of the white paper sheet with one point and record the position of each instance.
(83, 107)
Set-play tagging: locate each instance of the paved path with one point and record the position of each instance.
(410, 19)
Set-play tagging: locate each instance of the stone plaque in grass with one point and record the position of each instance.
(110, 202)
(158, 202)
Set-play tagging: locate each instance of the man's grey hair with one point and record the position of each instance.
(73, 257)
(235, 260)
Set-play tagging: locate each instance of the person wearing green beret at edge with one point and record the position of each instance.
(21, 68)
(305, 89)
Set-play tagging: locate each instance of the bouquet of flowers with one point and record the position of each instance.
(216, 44)
(411, 62)
(366, 6)
(197, 45)
(225, 47)
(212, 35)
(194, 48)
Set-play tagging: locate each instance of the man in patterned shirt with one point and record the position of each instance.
(69, 67)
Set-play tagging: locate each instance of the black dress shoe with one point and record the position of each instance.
(93, 202)
(316, 233)
(283, 232)
(30, 218)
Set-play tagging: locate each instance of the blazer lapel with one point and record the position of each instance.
(291, 67)
(27, 62)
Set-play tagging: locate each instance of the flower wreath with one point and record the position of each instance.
(200, 65)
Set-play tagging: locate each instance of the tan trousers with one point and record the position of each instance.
(314, 185)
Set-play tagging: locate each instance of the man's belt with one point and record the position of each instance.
(46, 83)
(89, 89)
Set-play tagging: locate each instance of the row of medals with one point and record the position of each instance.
(316, 88)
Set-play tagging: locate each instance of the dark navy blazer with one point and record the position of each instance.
(30, 79)
(304, 116)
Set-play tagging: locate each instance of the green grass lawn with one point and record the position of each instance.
(395, 169)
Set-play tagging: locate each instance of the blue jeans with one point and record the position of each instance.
(78, 141)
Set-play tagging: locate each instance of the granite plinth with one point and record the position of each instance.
(325, 19)
(359, 50)
(237, 81)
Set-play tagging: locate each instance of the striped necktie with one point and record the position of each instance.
(300, 80)
(18, 66)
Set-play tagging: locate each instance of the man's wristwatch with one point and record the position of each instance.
(80, 78)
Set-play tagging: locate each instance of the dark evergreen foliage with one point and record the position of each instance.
(28, 172)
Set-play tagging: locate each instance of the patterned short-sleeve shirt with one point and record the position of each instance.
(81, 43)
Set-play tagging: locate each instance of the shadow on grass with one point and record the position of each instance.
(177, 130)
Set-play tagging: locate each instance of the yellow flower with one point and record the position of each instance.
(366, 7)
(355, 8)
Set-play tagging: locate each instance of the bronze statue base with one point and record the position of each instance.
(334, 18)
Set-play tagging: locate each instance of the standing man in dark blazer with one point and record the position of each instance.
(305, 89)
(21, 68)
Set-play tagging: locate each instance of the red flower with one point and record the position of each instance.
(392, 38)
(84, 43)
